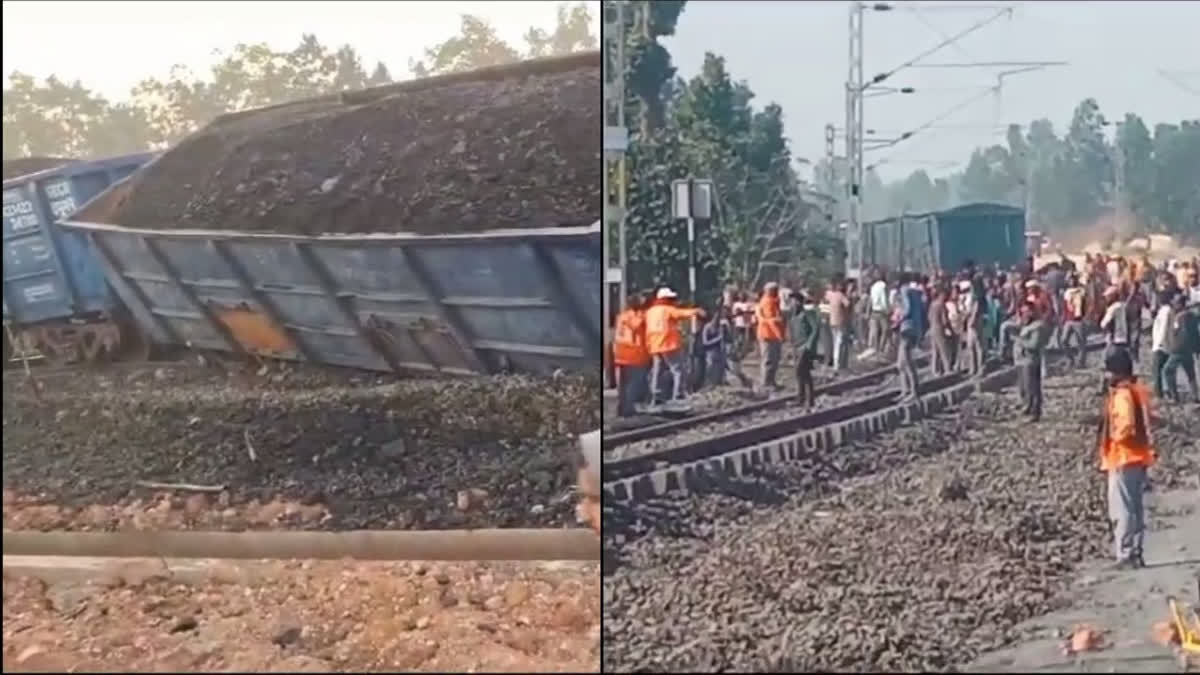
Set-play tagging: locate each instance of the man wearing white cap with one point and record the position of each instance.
(973, 333)
(665, 342)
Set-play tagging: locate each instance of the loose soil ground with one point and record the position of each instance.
(311, 617)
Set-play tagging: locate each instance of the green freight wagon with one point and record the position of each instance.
(985, 233)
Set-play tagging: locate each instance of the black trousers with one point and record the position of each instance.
(1031, 387)
(804, 377)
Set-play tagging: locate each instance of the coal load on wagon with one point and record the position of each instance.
(515, 146)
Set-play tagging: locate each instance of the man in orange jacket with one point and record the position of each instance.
(769, 317)
(1126, 455)
(630, 355)
(665, 342)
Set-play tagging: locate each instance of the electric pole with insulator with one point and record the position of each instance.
(855, 88)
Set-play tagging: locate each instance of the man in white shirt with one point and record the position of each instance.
(880, 315)
(1158, 343)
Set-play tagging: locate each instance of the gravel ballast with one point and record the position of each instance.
(916, 551)
(372, 451)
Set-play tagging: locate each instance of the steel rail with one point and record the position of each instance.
(836, 387)
(674, 469)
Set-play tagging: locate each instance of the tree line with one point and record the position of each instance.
(708, 127)
(56, 118)
(1069, 181)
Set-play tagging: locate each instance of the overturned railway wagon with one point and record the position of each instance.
(252, 237)
(984, 233)
(524, 300)
(56, 301)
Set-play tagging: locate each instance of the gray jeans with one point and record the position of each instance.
(839, 346)
(907, 366)
(672, 361)
(1126, 486)
(879, 331)
(1075, 334)
(772, 351)
(974, 354)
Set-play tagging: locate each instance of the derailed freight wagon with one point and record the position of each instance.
(525, 300)
(56, 301)
(984, 233)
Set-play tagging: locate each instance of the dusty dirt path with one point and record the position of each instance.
(1125, 604)
(309, 617)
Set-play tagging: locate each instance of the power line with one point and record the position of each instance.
(930, 124)
(1173, 78)
(944, 43)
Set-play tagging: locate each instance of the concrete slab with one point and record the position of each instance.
(1125, 603)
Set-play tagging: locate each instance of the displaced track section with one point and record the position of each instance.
(692, 466)
(837, 387)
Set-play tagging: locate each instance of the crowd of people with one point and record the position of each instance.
(961, 320)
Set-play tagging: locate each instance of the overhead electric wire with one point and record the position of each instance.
(916, 12)
(1169, 77)
(946, 113)
(946, 42)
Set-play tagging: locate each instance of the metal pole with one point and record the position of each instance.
(860, 90)
(854, 136)
(830, 179)
(616, 141)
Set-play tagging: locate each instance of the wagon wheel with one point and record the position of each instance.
(134, 345)
(95, 347)
(57, 353)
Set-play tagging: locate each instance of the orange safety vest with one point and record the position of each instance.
(770, 319)
(1124, 433)
(629, 342)
(662, 327)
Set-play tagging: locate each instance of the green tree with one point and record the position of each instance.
(52, 118)
(1136, 149)
(572, 33)
(477, 45)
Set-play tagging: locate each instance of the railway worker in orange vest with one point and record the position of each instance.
(1125, 455)
(665, 342)
(631, 355)
(769, 317)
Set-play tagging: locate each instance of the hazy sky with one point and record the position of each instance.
(796, 53)
(110, 46)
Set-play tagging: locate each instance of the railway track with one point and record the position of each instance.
(689, 467)
(838, 387)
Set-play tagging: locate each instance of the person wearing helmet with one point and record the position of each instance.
(664, 341)
(1126, 454)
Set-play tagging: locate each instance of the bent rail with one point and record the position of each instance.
(466, 304)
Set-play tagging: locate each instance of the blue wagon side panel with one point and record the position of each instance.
(455, 304)
(51, 273)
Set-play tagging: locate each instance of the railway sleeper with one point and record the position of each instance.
(696, 476)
